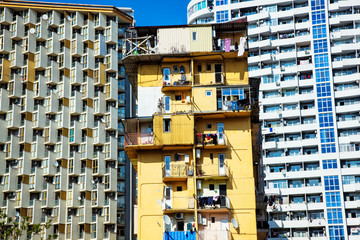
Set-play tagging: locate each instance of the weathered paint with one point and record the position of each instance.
(173, 40)
(203, 41)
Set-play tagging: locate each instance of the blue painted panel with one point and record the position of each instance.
(179, 235)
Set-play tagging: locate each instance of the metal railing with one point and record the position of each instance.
(177, 170)
(138, 139)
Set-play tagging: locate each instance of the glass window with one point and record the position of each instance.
(336, 232)
(333, 199)
(323, 89)
(334, 216)
(327, 135)
(321, 60)
(324, 105)
(326, 120)
(329, 164)
(320, 46)
(322, 75)
(222, 16)
(317, 4)
(331, 183)
(328, 148)
(319, 31)
(318, 17)
(221, 2)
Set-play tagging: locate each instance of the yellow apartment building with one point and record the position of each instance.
(191, 143)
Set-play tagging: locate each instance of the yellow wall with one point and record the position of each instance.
(203, 102)
(179, 106)
(204, 39)
(182, 130)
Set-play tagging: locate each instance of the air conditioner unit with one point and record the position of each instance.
(179, 216)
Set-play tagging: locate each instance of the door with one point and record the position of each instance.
(222, 169)
(167, 197)
(167, 104)
(218, 73)
(166, 76)
(220, 132)
(224, 229)
(167, 163)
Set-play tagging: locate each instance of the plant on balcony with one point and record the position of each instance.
(12, 229)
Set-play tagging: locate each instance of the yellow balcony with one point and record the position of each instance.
(177, 172)
(178, 204)
(183, 83)
(212, 171)
(213, 140)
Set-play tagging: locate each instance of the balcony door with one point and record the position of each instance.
(167, 163)
(166, 76)
(218, 73)
(222, 170)
(220, 132)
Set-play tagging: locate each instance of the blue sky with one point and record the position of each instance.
(147, 12)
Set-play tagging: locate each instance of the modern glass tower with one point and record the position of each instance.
(305, 56)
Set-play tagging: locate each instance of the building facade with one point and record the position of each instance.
(191, 143)
(305, 56)
(62, 95)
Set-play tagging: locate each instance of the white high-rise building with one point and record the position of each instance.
(305, 55)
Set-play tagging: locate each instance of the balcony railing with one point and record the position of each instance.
(213, 202)
(138, 139)
(177, 171)
(214, 234)
(212, 170)
(210, 139)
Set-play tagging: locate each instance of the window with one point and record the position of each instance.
(336, 232)
(194, 36)
(320, 46)
(318, 17)
(328, 148)
(319, 31)
(321, 60)
(221, 2)
(208, 67)
(57, 182)
(327, 135)
(334, 216)
(93, 230)
(222, 16)
(208, 93)
(322, 75)
(326, 120)
(317, 4)
(177, 97)
(211, 187)
(333, 199)
(167, 104)
(179, 188)
(329, 164)
(323, 89)
(167, 124)
(209, 126)
(166, 74)
(325, 105)
(331, 183)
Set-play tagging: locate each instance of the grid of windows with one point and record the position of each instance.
(326, 120)
(322, 75)
(318, 17)
(333, 199)
(221, 2)
(328, 148)
(331, 183)
(336, 232)
(323, 90)
(321, 60)
(320, 46)
(222, 16)
(324, 105)
(319, 31)
(334, 216)
(327, 135)
(329, 164)
(317, 4)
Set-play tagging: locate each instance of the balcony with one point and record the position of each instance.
(211, 140)
(213, 203)
(132, 139)
(183, 84)
(176, 235)
(213, 171)
(214, 234)
(177, 172)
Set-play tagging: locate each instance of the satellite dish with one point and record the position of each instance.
(32, 30)
(68, 18)
(167, 219)
(56, 164)
(79, 198)
(235, 223)
(45, 17)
